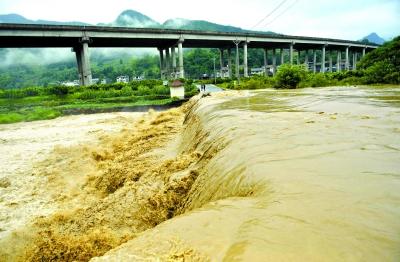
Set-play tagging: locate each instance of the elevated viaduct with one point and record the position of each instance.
(170, 44)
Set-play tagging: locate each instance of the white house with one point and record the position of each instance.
(123, 79)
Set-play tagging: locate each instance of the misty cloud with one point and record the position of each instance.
(46, 56)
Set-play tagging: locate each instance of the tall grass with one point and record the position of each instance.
(38, 113)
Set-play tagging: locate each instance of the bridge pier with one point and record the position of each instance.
(246, 68)
(161, 51)
(314, 61)
(323, 59)
(237, 66)
(339, 61)
(330, 61)
(282, 57)
(229, 63)
(221, 62)
(173, 57)
(265, 61)
(79, 63)
(168, 63)
(87, 72)
(83, 62)
(291, 53)
(347, 63)
(273, 61)
(180, 55)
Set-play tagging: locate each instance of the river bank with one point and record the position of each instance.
(305, 175)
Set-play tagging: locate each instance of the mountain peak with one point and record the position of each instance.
(134, 18)
(374, 38)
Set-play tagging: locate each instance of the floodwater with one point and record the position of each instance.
(24, 145)
(294, 175)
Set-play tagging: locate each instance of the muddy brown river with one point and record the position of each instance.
(270, 175)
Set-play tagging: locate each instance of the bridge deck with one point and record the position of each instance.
(21, 35)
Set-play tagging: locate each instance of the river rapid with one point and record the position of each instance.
(270, 175)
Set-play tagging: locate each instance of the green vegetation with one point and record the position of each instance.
(290, 76)
(37, 103)
(383, 64)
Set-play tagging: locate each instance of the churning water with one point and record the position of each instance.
(297, 175)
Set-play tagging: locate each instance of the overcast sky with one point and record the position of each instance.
(345, 19)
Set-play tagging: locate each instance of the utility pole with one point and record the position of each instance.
(237, 42)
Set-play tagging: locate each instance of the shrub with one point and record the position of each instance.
(190, 90)
(252, 84)
(58, 90)
(126, 91)
(10, 118)
(143, 91)
(381, 72)
(289, 76)
(32, 91)
(317, 80)
(352, 81)
(161, 90)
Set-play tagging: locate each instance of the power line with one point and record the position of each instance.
(284, 11)
(273, 11)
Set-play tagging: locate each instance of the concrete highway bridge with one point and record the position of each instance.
(168, 41)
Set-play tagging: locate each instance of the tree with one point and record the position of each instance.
(289, 76)
(382, 65)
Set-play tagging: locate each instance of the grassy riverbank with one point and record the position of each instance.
(39, 103)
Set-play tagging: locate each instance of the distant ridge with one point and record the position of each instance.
(19, 19)
(132, 18)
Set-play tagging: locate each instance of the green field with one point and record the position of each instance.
(39, 103)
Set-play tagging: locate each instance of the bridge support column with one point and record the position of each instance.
(85, 62)
(221, 62)
(161, 51)
(237, 66)
(330, 62)
(282, 57)
(265, 61)
(168, 63)
(363, 52)
(339, 61)
(314, 61)
(229, 63)
(323, 59)
(79, 63)
(347, 64)
(291, 53)
(246, 68)
(173, 57)
(273, 61)
(180, 54)
(306, 59)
